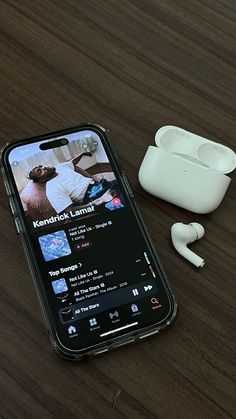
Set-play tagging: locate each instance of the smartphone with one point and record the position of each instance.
(99, 281)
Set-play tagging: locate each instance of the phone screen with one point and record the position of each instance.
(95, 262)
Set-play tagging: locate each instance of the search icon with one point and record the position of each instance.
(155, 303)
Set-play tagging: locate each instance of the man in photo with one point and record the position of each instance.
(67, 185)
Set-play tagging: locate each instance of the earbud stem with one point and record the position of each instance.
(192, 257)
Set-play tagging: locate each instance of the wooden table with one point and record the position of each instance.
(132, 66)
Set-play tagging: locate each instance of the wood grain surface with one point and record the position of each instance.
(131, 66)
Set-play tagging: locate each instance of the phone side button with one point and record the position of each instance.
(8, 191)
(123, 343)
(100, 351)
(12, 207)
(128, 187)
(153, 332)
(18, 226)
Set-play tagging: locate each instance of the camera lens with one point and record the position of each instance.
(64, 141)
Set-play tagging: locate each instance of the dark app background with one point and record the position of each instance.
(102, 258)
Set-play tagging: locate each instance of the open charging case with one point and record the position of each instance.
(187, 170)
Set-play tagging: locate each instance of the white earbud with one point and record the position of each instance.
(184, 234)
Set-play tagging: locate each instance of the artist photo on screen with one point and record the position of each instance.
(57, 185)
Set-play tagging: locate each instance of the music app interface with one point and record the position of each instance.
(98, 273)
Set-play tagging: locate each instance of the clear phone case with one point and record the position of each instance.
(30, 255)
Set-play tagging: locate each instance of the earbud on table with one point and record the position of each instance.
(184, 234)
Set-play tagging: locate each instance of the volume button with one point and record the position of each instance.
(18, 226)
(7, 188)
(152, 332)
(12, 207)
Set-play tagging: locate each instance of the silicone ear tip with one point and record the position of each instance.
(200, 230)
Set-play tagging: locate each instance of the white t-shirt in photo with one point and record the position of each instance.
(67, 188)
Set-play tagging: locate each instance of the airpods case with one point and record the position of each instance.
(187, 170)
